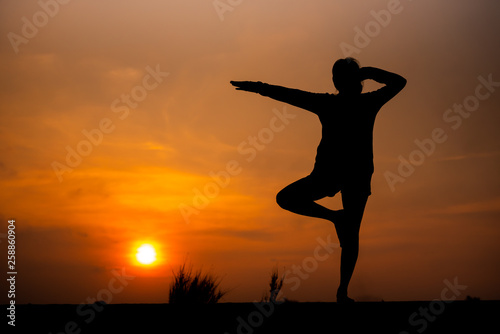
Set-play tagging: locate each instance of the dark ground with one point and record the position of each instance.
(472, 316)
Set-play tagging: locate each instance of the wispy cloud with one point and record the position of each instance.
(480, 155)
(486, 206)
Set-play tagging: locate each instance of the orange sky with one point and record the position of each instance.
(157, 138)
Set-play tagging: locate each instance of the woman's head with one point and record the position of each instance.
(345, 76)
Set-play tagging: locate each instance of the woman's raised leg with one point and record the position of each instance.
(300, 196)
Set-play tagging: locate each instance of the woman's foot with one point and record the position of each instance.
(344, 300)
(337, 216)
(342, 295)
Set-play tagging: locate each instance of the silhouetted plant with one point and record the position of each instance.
(274, 286)
(472, 299)
(194, 288)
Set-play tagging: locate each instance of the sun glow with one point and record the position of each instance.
(146, 254)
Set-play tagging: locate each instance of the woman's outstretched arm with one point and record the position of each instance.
(295, 97)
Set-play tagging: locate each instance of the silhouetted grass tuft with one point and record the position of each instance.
(194, 288)
(275, 286)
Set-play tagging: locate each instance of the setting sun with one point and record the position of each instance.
(146, 254)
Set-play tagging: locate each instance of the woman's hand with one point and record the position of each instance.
(248, 86)
(364, 73)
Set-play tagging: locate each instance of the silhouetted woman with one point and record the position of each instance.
(344, 159)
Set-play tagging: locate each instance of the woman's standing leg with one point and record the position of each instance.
(354, 206)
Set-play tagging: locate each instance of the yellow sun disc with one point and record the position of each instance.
(146, 254)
